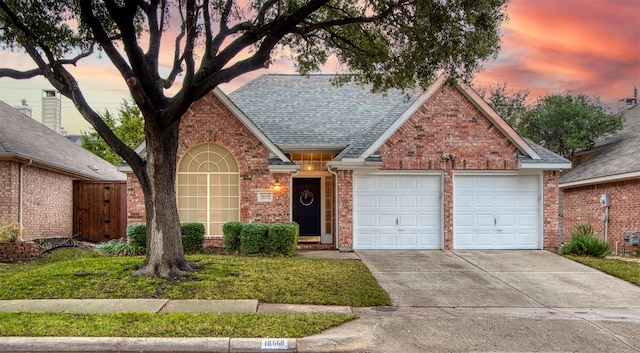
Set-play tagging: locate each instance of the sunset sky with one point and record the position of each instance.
(548, 46)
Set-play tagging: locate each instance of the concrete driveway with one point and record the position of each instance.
(513, 279)
(491, 301)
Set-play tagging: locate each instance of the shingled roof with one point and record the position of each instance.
(310, 114)
(22, 138)
(617, 158)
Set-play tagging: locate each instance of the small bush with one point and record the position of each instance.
(231, 236)
(283, 239)
(584, 242)
(137, 234)
(119, 247)
(192, 237)
(9, 233)
(253, 238)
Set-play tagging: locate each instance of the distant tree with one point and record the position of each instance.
(128, 127)
(509, 104)
(565, 123)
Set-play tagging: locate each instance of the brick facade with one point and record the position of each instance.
(209, 121)
(18, 251)
(47, 201)
(449, 124)
(448, 133)
(9, 195)
(582, 205)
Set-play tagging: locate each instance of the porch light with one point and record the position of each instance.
(277, 187)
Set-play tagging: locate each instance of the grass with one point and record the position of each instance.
(167, 325)
(71, 274)
(623, 269)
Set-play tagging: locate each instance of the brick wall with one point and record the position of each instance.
(9, 196)
(582, 205)
(345, 211)
(448, 124)
(209, 121)
(18, 251)
(551, 211)
(47, 204)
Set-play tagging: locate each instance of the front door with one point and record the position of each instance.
(306, 205)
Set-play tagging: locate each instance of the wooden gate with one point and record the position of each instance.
(99, 210)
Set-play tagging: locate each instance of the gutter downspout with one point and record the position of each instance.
(20, 193)
(336, 212)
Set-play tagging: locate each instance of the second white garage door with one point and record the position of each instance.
(496, 212)
(397, 212)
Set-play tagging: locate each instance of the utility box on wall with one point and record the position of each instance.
(604, 200)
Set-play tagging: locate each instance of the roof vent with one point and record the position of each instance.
(93, 167)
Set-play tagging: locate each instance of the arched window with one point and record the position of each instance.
(208, 187)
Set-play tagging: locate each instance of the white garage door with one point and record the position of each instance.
(496, 212)
(397, 212)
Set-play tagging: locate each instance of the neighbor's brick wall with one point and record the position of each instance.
(209, 121)
(47, 204)
(449, 124)
(9, 196)
(582, 205)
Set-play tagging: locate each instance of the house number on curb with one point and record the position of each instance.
(275, 343)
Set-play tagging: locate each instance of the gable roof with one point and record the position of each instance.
(616, 160)
(23, 138)
(311, 114)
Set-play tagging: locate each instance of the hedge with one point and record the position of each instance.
(253, 238)
(283, 239)
(192, 236)
(231, 236)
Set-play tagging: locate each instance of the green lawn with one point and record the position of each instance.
(76, 274)
(624, 269)
(269, 279)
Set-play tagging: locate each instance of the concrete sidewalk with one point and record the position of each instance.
(93, 306)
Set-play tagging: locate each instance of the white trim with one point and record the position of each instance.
(544, 166)
(352, 164)
(248, 123)
(497, 121)
(287, 168)
(430, 172)
(601, 180)
(323, 205)
(402, 119)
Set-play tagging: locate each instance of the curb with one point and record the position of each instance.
(159, 344)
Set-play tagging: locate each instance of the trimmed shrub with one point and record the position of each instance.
(192, 237)
(137, 234)
(584, 242)
(283, 239)
(253, 238)
(231, 236)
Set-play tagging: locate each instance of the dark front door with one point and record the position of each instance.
(306, 205)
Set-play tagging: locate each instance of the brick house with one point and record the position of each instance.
(612, 168)
(38, 168)
(427, 170)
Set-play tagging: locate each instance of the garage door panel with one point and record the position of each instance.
(366, 201)
(366, 220)
(497, 212)
(406, 211)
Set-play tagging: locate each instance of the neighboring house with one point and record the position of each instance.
(612, 168)
(431, 170)
(38, 169)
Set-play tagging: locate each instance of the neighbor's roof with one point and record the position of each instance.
(23, 138)
(617, 159)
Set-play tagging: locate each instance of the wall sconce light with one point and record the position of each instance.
(277, 187)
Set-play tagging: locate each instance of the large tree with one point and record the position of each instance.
(568, 122)
(511, 105)
(128, 126)
(389, 43)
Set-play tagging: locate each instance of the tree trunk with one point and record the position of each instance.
(165, 256)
